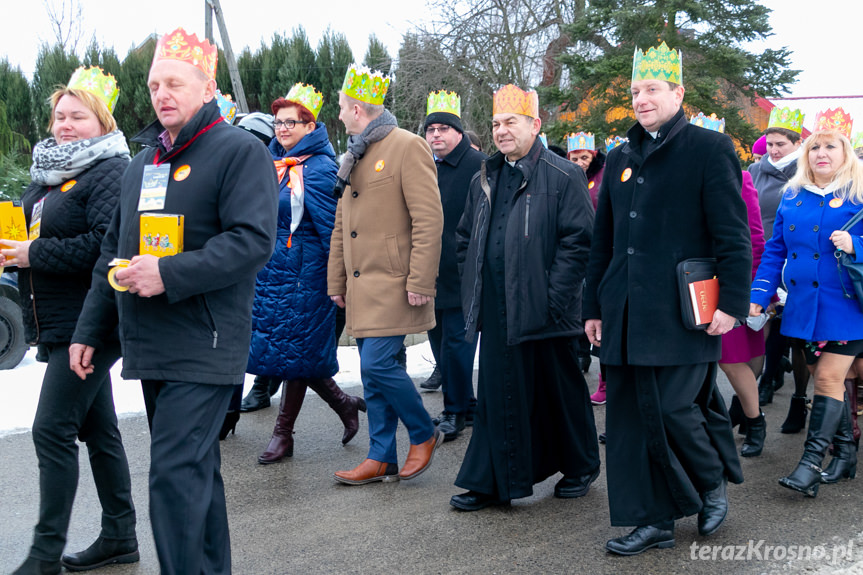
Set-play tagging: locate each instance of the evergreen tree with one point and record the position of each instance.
(249, 65)
(15, 93)
(134, 110)
(332, 60)
(54, 67)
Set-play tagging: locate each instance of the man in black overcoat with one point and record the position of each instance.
(671, 193)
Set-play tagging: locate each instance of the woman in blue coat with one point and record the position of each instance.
(820, 310)
(293, 319)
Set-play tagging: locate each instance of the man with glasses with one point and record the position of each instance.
(456, 162)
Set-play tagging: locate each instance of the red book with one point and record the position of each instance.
(704, 297)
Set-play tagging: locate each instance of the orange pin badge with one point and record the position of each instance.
(379, 166)
(182, 173)
(835, 202)
(590, 185)
(68, 185)
(627, 173)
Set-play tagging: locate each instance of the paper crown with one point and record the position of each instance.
(98, 83)
(857, 142)
(369, 86)
(837, 119)
(227, 107)
(786, 118)
(710, 122)
(513, 100)
(544, 139)
(613, 142)
(307, 97)
(442, 101)
(660, 63)
(580, 141)
(178, 45)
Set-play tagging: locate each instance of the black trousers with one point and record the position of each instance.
(187, 496)
(454, 356)
(71, 409)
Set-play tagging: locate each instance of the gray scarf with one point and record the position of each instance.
(55, 163)
(377, 130)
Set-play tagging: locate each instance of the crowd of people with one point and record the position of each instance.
(549, 257)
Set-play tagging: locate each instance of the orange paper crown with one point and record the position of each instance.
(837, 119)
(513, 100)
(178, 45)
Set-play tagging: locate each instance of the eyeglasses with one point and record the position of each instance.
(443, 130)
(288, 124)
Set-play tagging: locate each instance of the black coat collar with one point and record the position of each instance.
(149, 136)
(637, 134)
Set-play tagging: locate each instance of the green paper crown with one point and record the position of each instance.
(659, 63)
(443, 101)
(786, 118)
(307, 97)
(369, 86)
(858, 140)
(95, 81)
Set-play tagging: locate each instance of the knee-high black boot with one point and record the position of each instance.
(346, 406)
(844, 462)
(823, 423)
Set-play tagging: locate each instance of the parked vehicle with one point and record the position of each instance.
(13, 344)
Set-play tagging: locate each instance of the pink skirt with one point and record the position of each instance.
(741, 344)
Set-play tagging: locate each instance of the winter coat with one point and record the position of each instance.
(683, 200)
(197, 331)
(769, 182)
(547, 241)
(454, 174)
(387, 236)
(816, 308)
(73, 224)
(594, 176)
(293, 318)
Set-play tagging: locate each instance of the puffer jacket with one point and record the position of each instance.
(293, 318)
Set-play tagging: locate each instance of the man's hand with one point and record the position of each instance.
(418, 299)
(142, 277)
(16, 253)
(593, 329)
(339, 300)
(722, 323)
(755, 309)
(81, 359)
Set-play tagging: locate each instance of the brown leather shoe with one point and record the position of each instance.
(420, 456)
(368, 471)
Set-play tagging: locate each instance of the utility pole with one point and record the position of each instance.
(210, 7)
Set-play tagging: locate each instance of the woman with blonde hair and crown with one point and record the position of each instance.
(75, 187)
(821, 310)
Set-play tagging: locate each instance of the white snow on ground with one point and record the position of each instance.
(19, 387)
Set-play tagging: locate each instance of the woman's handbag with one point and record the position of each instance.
(854, 268)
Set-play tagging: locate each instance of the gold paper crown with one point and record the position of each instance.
(365, 85)
(95, 81)
(307, 97)
(178, 45)
(443, 101)
(786, 118)
(837, 119)
(513, 100)
(614, 141)
(710, 122)
(659, 63)
(580, 141)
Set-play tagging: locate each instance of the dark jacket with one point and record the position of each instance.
(454, 174)
(547, 241)
(198, 330)
(769, 181)
(293, 318)
(683, 200)
(73, 223)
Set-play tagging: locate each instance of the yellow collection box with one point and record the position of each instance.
(13, 226)
(161, 234)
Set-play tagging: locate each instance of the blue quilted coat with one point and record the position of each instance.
(293, 319)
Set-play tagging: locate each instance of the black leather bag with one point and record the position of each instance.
(853, 268)
(689, 271)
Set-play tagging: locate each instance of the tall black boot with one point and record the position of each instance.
(796, 419)
(756, 430)
(346, 406)
(823, 423)
(282, 443)
(765, 390)
(844, 462)
(259, 396)
(735, 412)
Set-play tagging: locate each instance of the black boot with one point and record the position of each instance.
(735, 412)
(34, 566)
(844, 462)
(756, 430)
(823, 423)
(796, 419)
(282, 443)
(259, 396)
(229, 425)
(434, 381)
(346, 406)
(102, 552)
(765, 391)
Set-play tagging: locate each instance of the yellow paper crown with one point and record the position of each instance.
(307, 97)
(614, 141)
(227, 107)
(710, 122)
(660, 63)
(443, 101)
(513, 100)
(178, 45)
(786, 118)
(837, 119)
(98, 83)
(365, 85)
(580, 141)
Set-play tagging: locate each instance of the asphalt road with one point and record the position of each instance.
(292, 517)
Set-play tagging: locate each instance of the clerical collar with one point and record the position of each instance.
(654, 135)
